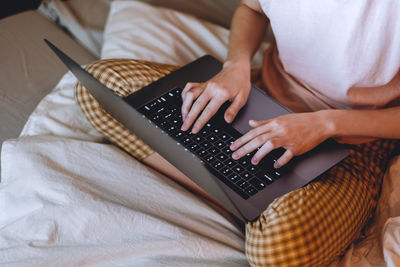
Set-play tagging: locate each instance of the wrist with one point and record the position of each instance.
(238, 58)
(328, 123)
(241, 65)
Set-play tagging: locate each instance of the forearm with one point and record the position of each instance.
(248, 28)
(381, 123)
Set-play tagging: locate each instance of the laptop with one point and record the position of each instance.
(153, 114)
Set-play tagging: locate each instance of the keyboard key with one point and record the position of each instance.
(217, 165)
(187, 141)
(171, 130)
(161, 110)
(246, 176)
(238, 169)
(243, 184)
(222, 157)
(213, 150)
(276, 174)
(202, 153)
(230, 163)
(245, 161)
(224, 136)
(205, 145)
(220, 144)
(212, 138)
(164, 124)
(198, 139)
(215, 131)
(234, 178)
(236, 189)
(265, 176)
(226, 171)
(204, 132)
(227, 151)
(167, 116)
(257, 183)
(153, 105)
(210, 159)
(251, 190)
(156, 118)
(194, 147)
(176, 122)
(179, 135)
(174, 110)
(252, 168)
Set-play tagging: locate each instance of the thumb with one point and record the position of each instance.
(234, 108)
(256, 123)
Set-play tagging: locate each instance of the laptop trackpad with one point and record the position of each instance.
(259, 106)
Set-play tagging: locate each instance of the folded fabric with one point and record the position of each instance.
(69, 202)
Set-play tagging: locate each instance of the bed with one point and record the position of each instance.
(69, 197)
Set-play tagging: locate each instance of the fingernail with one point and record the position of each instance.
(194, 129)
(235, 155)
(254, 160)
(277, 165)
(233, 146)
(229, 118)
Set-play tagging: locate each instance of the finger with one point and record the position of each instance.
(234, 108)
(249, 136)
(256, 123)
(284, 159)
(187, 100)
(262, 152)
(250, 146)
(189, 86)
(195, 110)
(207, 113)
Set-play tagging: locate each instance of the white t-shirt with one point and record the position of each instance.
(333, 53)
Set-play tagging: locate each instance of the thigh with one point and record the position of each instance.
(314, 224)
(123, 77)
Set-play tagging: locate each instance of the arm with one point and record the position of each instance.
(380, 123)
(248, 28)
(233, 82)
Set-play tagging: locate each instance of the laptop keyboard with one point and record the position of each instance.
(211, 145)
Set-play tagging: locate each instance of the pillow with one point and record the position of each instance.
(141, 31)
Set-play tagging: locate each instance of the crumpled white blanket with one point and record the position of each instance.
(67, 197)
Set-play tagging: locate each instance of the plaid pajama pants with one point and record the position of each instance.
(306, 227)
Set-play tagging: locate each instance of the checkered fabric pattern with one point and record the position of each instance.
(124, 77)
(314, 224)
(306, 227)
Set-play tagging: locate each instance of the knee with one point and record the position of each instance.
(122, 76)
(125, 76)
(287, 241)
(273, 245)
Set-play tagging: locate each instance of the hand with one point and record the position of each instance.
(232, 83)
(297, 133)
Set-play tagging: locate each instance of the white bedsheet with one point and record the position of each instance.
(69, 198)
